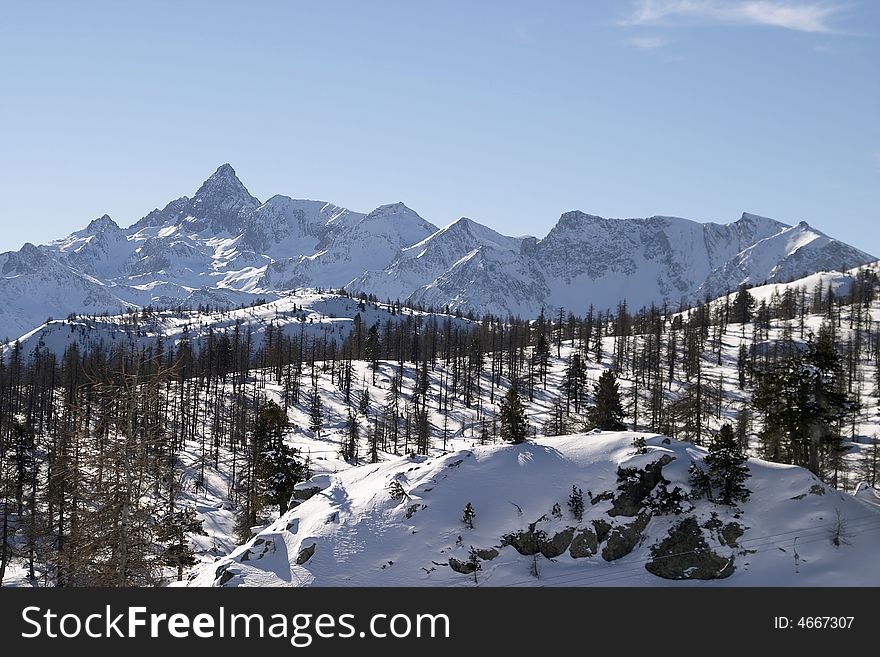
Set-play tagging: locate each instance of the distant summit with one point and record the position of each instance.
(221, 199)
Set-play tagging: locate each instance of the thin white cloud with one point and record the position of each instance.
(806, 16)
(647, 42)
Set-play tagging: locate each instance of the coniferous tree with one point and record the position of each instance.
(173, 534)
(396, 491)
(270, 424)
(273, 468)
(373, 443)
(700, 482)
(278, 470)
(742, 362)
(556, 424)
(364, 402)
(350, 443)
(606, 413)
(576, 503)
(542, 355)
(514, 427)
(474, 562)
(727, 469)
(575, 382)
(371, 350)
(803, 400)
(741, 310)
(468, 516)
(316, 414)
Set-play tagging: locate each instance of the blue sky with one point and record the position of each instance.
(506, 112)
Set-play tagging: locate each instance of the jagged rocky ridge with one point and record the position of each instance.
(224, 247)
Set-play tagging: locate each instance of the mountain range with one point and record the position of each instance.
(224, 247)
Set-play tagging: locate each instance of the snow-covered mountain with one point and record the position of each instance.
(224, 247)
(355, 530)
(586, 259)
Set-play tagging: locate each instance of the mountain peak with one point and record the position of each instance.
(101, 224)
(463, 225)
(575, 219)
(223, 185)
(392, 209)
(222, 197)
(463, 222)
(225, 172)
(749, 218)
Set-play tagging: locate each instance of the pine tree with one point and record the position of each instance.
(272, 468)
(474, 562)
(514, 427)
(727, 467)
(468, 517)
(364, 402)
(606, 413)
(396, 491)
(741, 310)
(371, 350)
(726, 471)
(279, 470)
(542, 355)
(575, 382)
(269, 425)
(742, 362)
(173, 534)
(576, 503)
(316, 415)
(350, 444)
(700, 483)
(803, 399)
(373, 443)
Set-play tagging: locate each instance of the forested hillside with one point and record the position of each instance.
(133, 448)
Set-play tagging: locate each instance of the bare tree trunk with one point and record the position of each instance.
(4, 549)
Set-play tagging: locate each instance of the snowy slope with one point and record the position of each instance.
(371, 243)
(332, 314)
(307, 313)
(35, 286)
(423, 265)
(225, 245)
(353, 533)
